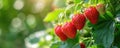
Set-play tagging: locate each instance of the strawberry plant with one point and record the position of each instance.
(86, 24)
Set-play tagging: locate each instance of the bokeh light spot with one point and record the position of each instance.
(48, 37)
(31, 21)
(16, 22)
(1, 4)
(38, 6)
(18, 5)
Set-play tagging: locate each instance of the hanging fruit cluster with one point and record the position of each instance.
(99, 18)
(69, 29)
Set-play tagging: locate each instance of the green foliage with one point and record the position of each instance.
(93, 46)
(53, 15)
(55, 45)
(70, 43)
(109, 14)
(77, 1)
(76, 45)
(104, 35)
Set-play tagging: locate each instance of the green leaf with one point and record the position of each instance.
(69, 43)
(109, 14)
(114, 47)
(76, 46)
(104, 35)
(77, 1)
(93, 46)
(55, 45)
(117, 9)
(53, 15)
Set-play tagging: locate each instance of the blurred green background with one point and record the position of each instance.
(22, 26)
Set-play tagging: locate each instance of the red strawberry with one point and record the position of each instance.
(59, 33)
(79, 21)
(69, 30)
(82, 45)
(100, 8)
(92, 14)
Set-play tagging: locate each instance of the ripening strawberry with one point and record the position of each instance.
(59, 33)
(79, 21)
(82, 45)
(101, 8)
(92, 14)
(69, 30)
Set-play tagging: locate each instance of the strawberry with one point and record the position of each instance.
(59, 33)
(92, 14)
(79, 21)
(82, 45)
(101, 8)
(69, 30)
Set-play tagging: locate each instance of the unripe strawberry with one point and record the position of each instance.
(79, 21)
(100, 8)
(69, 30)
(59, 33)
(92, 14)
(82, 45)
